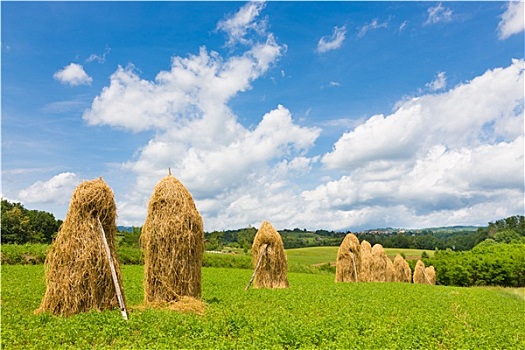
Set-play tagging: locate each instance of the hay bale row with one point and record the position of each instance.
(83, 273)
(364, 263)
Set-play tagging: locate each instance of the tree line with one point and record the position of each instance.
(21, 226)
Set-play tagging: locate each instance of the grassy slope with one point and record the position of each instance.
(314, 312)
(318, 255)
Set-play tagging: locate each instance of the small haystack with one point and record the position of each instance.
(424, 275)
(402, 270)
(348, 260)
(173, 243)
(379, 264)
(365, 270)
(77, 269)
(431, 274)
(269, 259)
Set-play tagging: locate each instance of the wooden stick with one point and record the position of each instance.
(123, 310)
(355, 268)
(257, 267)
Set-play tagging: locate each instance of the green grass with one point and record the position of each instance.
(313, 313)
(322, 255)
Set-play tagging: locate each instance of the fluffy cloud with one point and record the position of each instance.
(73, 74)
(470, 114)
(332, 42)
(512, 21)
(56, 190)
(439, 83)
(438, 14)
(238, 25)
(197, 135)
(445, 153)
(450, 158)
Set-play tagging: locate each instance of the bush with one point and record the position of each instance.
(488, 264)
(28, 254)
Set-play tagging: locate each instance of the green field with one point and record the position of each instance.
(322, 255)
(313, 313)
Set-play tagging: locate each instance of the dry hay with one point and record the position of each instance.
(402, 270)
(421, 276)
(390, 271)
(431, 275)
(379, 265)
(348, 260)
(184, 304)
(77, 270)
(173, 243)
(365, 270)
(272, 270)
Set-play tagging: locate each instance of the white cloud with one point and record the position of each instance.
(221, 162)
(372, 25)
(332, 42)
(238, 25)
(403, 26)
(439, 83)
(438, 14)
(512, 20)
(56, 190)
(437, 157)
(99, 58)
(73, 74)
(447, 158)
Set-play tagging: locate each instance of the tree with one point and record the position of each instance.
(20, 226)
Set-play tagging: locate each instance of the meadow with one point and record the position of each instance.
(328, 254)
(313, 313)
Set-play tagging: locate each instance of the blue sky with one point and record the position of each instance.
(338, 115)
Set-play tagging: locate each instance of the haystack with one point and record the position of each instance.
(390, 270)
(78, 273)
(379, 264)
(269, 259)
(348, 260)
(365, 270)
(424, 275)
(431, 274)
(402, 270)
(173, 243)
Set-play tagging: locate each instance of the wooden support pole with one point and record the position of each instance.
(122, 305)
(257, 267)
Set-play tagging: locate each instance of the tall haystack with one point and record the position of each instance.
(77, 269)
(269, 259)
(379, 264)
(173, 243)
(365, 270)
(348, 260)
(424, 275)
(431, 274)
(402, 270)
